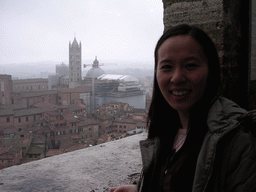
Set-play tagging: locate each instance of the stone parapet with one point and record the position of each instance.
(95, 169)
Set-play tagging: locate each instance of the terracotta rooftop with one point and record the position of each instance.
(6, 156)
(32, 111)
(43, 104)
(70, 118)
(53, 152)
(33, 149)
(20, 81)
(38, 93)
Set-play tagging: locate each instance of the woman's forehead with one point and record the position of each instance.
(181, 46)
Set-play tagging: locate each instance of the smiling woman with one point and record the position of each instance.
(197, 140)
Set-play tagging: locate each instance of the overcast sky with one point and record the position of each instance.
(39, 30)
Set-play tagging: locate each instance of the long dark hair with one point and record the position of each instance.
(163, 120)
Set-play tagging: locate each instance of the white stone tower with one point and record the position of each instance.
(75, 60)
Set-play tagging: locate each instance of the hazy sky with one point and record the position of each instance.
(39, 30)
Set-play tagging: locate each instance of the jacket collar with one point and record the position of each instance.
(149, 149)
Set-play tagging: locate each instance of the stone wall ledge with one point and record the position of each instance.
(96, 168)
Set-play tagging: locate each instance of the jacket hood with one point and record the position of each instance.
(223, 115)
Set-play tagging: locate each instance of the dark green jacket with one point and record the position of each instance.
(227, 158)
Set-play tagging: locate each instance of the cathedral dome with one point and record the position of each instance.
(94, 72)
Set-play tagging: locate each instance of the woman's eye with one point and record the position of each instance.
(191, 66)
(166, 67)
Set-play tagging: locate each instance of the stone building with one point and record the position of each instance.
(28, 85)
(72, 96)
(31, 98)
(229, 24)
(6, 86)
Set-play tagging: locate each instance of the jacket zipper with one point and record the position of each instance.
(173, 153)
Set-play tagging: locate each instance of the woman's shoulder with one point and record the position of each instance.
(242, 143)
(237, 158)
(246, 131)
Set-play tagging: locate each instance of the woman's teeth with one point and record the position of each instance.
(180, 93)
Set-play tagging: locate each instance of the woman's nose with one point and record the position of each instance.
(178, 77)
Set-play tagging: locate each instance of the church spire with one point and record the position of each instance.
(75, 44)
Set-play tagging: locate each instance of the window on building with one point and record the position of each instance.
(42, 99)
(70, 131)
(34, 118)
(19, 120)
(26, 118)
(8, 119)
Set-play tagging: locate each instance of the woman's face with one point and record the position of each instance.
(182, 71)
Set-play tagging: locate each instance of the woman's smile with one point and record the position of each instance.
(180, 92)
